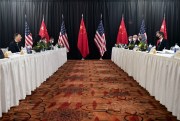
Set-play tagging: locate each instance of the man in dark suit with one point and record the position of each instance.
(15, 45)
(130, 38)
(135, 40)
(1, 54)
(161, 42)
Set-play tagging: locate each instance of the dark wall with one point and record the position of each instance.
(12, 19)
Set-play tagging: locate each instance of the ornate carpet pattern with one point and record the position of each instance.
(89, 91)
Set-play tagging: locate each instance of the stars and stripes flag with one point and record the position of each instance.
(28, 35)
(63, 39)
(143, 31)
(100, 39)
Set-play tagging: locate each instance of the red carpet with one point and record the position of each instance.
(89, 91)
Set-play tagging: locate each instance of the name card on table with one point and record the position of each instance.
(7, 54)
(177, 55)
(153, 51)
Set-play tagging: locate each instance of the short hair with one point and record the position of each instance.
(130, 37)
(15, 35)
(157, 32)
(135, 35)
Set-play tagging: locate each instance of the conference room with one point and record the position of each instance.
(89, 60)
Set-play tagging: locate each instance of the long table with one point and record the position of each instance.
(21, 75)
(158, 74)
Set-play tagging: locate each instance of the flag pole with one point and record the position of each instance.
(43, 17)
(25, 31)
(82, 18)
(62, 16)
(25, 18)
(101, 55)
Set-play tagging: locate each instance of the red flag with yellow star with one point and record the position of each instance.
(164, 29)
(43, 31)
(83, 40)
(122, 37)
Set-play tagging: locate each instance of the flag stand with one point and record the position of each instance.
(101, 58)
(82, 59)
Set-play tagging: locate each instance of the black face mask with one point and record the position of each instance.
(157, 37)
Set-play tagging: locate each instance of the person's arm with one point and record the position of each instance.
(1, 54)
(11, 48)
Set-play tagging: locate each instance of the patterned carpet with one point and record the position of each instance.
(89, 91)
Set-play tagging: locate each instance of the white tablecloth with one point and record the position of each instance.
(159, 75)
(21, 75)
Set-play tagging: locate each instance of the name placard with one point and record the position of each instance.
(177, 55)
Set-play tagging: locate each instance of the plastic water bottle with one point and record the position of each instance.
(176, 47)
(149, 48)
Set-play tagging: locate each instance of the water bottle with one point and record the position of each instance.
(176, 47)
(174, 50)
(149, 48)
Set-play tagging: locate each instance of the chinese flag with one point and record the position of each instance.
(122, 37)
(163, 28)
(43, 31)
(83, 40)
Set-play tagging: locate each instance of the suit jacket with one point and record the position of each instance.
(161, 45)
(136, 42)
(1, 54)
(14, 47)
(130, 42)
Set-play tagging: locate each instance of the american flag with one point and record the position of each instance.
(63, 39)
(100, 39)
(143, 31)
(28, 36)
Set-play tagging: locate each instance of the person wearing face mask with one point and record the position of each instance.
(161, 42)
(135, 39)
(15, 45)
(130, 38)
(139, 38)
(142, 37)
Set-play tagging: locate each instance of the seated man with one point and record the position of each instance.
(130, 38)
(15, 45)
(142, 37)
(135, 40)
(161, 42)
(1, 54)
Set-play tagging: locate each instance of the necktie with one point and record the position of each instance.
(18, 47)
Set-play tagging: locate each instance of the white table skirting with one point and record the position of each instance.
(21, 75)
(159, 75)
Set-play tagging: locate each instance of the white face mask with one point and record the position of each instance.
(129, 39)
(134, 39)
